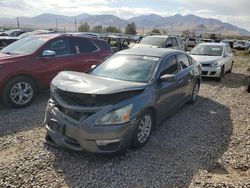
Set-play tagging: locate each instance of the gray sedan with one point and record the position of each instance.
(119, 102)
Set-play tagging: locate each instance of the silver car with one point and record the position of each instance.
(161, 41)
(216, 59)
(119, 102)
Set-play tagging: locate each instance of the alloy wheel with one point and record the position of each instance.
(144, 129)
(21, 93)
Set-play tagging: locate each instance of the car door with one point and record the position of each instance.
(185, 76)
(86, 54)
(175, 44)
(50, 65)
(228, 58)
(169, 43)
(167, 93)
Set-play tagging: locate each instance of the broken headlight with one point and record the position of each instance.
(119, 116)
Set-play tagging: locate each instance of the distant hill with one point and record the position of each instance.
(171, 24)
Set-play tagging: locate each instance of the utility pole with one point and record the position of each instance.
(56, 24)
(75, 24)
(17, 22)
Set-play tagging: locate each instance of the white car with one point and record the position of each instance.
(216, 59)
(161, 41)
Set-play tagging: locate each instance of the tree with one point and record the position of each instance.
(156, 31)
(130, 29)
(97, 29)
(84, 27)
(186, 33)
(112, 29)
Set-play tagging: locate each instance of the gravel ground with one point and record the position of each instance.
(202, 145)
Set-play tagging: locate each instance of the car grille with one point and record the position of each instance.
(205, 65)
(89, 100)
(73, 114)
(204, 72)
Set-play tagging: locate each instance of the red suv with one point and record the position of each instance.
(29, 64)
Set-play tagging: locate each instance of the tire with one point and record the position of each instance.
(248, 85)
(195, 92)
(231, 68)
(19, 92)
(143, 130)
(222, 73)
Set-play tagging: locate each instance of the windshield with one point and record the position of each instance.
(209, 50)
(127, 67)
(155, 41)
(24, 46)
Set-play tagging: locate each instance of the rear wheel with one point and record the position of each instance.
(144, 128)
(248, 85)
(19, 92)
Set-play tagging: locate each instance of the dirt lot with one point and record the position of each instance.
(203, 145)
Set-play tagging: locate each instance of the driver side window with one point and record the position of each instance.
(169, 43)
(60, 47)
(170, 66)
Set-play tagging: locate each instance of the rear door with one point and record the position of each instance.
(86, 53)
(175, 44)
(185, 76)
(169, 43)
(228, 57)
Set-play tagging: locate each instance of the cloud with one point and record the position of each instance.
(235, 12)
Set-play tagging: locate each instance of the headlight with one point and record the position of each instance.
(119, 116)
(52, 88)
(215, 64)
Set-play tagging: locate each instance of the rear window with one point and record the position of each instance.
(154, 41)
(102, 44)
(82, 45)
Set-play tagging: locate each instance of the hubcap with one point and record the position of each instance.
(21, 93)
(195, 92)
(144, 129)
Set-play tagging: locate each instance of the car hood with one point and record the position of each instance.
(6, 58)
(89, 84)
(205, 59)
(144, 46)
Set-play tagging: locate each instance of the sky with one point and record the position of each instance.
(236, 12)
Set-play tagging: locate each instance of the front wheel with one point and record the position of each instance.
(19, 92)
(145, 125)
(222, 73)
(195, 92)
(231, 68)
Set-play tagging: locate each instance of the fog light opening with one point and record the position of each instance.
(106, 142)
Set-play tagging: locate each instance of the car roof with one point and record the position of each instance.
(159, 36)
(155, 52)
(213, 44)
(8, 38)
(47, 36)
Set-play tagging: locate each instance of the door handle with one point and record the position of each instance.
(180, 81)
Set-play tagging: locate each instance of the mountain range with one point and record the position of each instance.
(171, 24)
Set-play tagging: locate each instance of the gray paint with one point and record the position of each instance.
(162, 97)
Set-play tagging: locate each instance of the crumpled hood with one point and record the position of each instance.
(144, 46)
(206, 59)
(89, 84)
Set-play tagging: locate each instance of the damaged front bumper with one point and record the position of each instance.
(74, 127)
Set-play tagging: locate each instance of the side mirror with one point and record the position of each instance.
(48, 53)
(92, 67)
(225, 55)
(168, 78)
